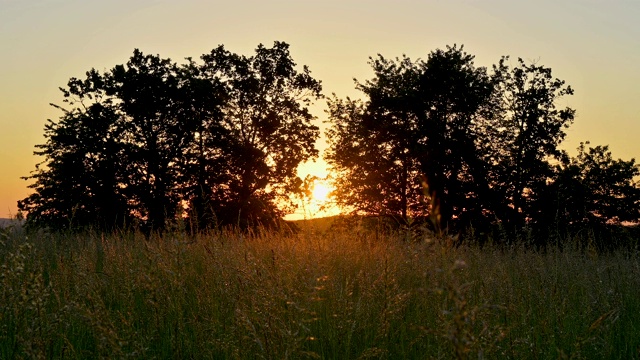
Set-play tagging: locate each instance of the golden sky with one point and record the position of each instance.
(593, 45)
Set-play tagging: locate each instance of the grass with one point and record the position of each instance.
(319, 294)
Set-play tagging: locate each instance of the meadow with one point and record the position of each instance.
(321, 293)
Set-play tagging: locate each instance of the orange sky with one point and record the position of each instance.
(593, 45)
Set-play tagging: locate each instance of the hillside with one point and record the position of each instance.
(5, 222)
(318, 224)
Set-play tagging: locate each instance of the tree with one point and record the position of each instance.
(205, 161)
(159, 119)
(592, 189)
(453, 101)
(125, 147)
(527, 133)
(269, 128)
(151, 138)
(421, 118)
(78, 183)
(371, 145)
(483, 142)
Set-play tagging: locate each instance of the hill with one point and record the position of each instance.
(321, 224)
(5, 222)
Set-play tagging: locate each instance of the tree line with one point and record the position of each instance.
(218, 141)
(473, 149)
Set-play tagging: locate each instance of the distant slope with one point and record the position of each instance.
(4, 222)
(317, 224)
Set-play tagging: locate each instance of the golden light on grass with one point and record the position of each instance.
(343, 293)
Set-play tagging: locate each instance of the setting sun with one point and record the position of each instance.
(321, 191)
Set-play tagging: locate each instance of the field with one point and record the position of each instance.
(319, 294)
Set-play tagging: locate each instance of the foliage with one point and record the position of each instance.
(268, 119)
(473, 150)
(419, 120)
(453, 99)
(145, 141)
(373, 170)
(593, 190)
(526, 135)
(79, 180)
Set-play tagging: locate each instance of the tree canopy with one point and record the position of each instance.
(470, 148)
(151, 141)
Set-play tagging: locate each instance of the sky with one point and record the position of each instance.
(593, 45)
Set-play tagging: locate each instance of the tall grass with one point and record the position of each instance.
(329, 295)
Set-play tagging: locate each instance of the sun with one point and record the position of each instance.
(321, 191)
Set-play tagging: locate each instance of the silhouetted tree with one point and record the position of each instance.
(204, 165)
(526, 136)
(483, 142)
(423, 117)
(78, 184)
(593, 189)
(454, 99)
(159, 121)
(149, 139)
(371, 152)
(269, 128)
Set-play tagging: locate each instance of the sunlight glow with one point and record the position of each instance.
(321, 191)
